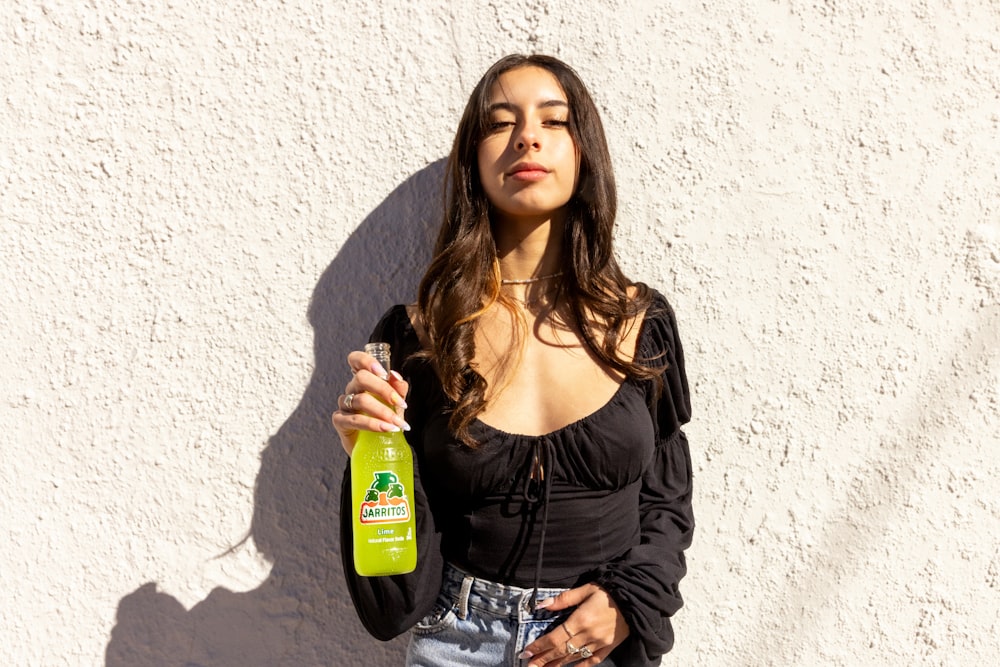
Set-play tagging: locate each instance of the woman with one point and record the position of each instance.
(544, 395)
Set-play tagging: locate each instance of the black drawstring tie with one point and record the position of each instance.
(543, 453)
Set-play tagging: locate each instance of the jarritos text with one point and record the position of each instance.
(385, 500)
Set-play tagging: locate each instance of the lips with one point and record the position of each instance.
(528, 171)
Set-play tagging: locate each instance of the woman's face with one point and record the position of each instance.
(528, 162)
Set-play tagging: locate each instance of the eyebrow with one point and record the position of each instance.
(507, 106)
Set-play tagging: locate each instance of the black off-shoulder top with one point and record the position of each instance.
(613, 506)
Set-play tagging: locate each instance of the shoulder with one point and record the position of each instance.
(658, 323)
(660, 347)
(655, 302)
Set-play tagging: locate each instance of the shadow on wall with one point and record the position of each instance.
(302, 613)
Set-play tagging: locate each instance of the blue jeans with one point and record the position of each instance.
(479, 623)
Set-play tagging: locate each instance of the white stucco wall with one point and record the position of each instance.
(205, 204)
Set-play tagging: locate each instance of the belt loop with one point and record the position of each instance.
(524, 606)
(463, 597)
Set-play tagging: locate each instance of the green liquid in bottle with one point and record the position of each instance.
(385, 532)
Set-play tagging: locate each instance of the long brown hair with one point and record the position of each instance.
(461, 280)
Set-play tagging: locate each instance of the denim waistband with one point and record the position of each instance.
(489, 596)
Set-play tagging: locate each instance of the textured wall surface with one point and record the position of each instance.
(205, 204)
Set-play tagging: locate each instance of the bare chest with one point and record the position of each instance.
(542, 385)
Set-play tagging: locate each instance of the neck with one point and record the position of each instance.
(528, 250)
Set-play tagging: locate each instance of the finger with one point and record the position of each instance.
(365, 405)
(345, 402)
(568, 598)
(595, 659)
(389, 393)
(543, 659)
(348, 424)
(389, 387)
(359, 361)
(552, 648)
(549, 646)
(588, 655)
(402, 387)
(585, 656)
(562, 657)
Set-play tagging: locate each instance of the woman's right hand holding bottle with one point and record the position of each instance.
(372, 401)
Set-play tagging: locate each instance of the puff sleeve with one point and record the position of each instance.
(389, 606)
(644, 580)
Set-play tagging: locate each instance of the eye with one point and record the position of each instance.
(556, 122)
(498, 125)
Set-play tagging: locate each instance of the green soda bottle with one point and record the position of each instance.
(385, 532)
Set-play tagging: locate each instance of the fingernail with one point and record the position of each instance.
(378, 370)
(402, 424)
(398, 400)
(543, 604)
(524, 655)
(391, 428)
(396, 375)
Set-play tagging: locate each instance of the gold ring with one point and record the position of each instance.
(585, 652)
(570, 649)
(348, 400)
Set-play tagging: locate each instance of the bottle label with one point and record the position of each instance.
(385, 501)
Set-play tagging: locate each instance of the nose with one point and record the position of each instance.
(527, 138)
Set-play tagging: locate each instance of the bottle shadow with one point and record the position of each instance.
(302, 613)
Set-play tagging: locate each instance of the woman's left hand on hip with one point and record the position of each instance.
(586, 638)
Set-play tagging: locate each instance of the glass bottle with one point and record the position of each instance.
(385, 534)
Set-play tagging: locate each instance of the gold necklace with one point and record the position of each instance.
(528, 281)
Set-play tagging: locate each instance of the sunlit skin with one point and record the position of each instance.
(528, 161)
(528, 166)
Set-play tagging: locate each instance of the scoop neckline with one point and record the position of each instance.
(572, 425)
